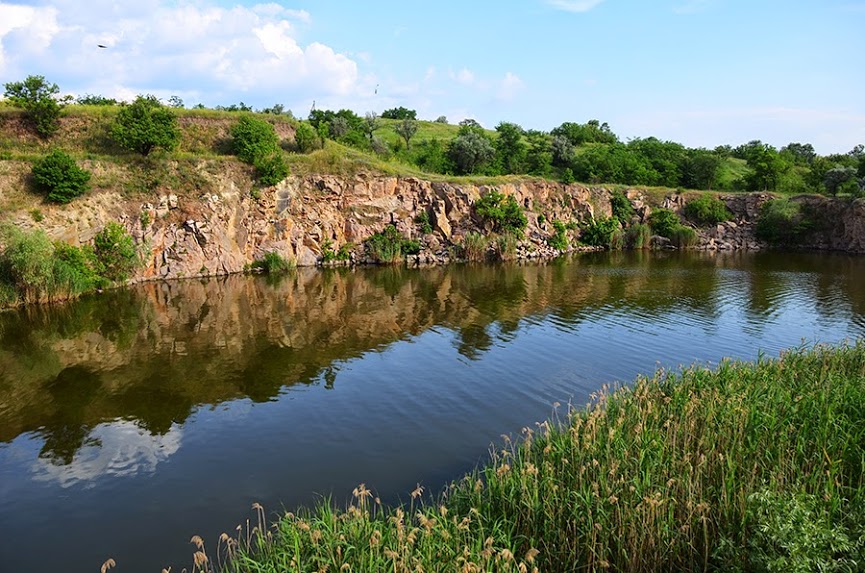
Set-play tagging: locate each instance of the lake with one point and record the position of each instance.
(134, 419)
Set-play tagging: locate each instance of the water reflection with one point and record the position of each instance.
(151, 355)
(180, 404)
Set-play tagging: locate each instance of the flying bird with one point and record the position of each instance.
(376, 89)
(101, 46)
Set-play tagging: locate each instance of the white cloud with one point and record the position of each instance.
(26, 30)
(208, 52)
(510, 86)
(574, 5)
(465, 77)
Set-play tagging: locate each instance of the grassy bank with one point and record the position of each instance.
(750, 467)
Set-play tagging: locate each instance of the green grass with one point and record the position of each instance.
(748, 467)
(730, 172)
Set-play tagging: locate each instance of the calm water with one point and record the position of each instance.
(133, 420)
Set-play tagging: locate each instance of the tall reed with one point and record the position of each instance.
(752, 466)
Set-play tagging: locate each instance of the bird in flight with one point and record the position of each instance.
(101, 46)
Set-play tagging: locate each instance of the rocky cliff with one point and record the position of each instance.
(230, 225)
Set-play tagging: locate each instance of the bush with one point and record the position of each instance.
(389, 246)
(306, 139)
(622, 208)
(33, 269)
(57, 175)
(598, 233)
(253, 138)
(37, 98)
(75, 269)
(797, 533)
(28, 263)
(272, 263)
(116, 255)
(707, 210)
(638, 236)
(328, 254)
(423, 222)
(559, 240)
(271, 169)
(783, 222)
(145, 125)
(505, 213)
(664, 222)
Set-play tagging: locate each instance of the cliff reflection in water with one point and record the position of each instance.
(151, 355)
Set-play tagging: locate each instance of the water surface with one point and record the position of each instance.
(132, 420)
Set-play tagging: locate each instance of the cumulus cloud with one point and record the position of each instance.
(204, 50)
(26, 29)
(574, 5)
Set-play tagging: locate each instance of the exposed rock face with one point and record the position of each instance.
(224, 231)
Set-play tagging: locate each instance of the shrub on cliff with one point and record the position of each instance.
(664, 222)
(783, 222)
(598, 232)
(255, 141)
(145, 125)
(707, 210)
(252, 138)
(59, 177)
(116, 255)
(504, 213)
(389, 246)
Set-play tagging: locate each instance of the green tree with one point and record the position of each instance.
(407, 129)
(539, 155)
(116, 255)
(370, 124)
(841, 179)
(799, 153)
(144, 125)
(38, 99)
(59, 177)
(767, 167)
(88, 99)
(305, 138)
(591, 132)
(399, 113)
(562, 151)
(510, 148)
(470, 151)
(700, 169)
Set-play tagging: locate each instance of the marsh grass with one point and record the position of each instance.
(751, 466)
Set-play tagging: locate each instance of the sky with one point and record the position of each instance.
(700, 72)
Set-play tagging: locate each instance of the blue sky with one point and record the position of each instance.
(702, 72)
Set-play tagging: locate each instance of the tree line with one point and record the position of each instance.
(588, 152)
